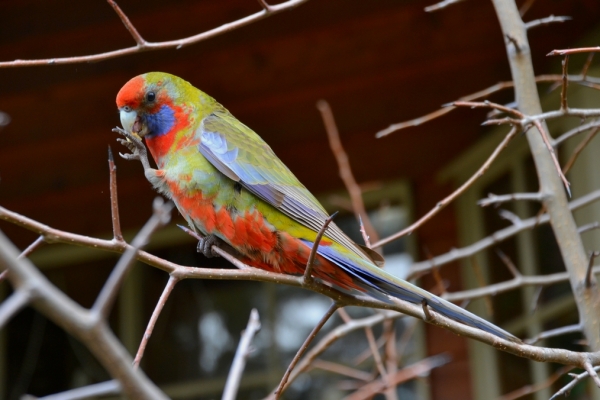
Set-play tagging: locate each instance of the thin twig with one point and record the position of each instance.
(505, 286)
(364, 233)
(586, 66)
(509, 264)
(563, 330)
(282, 385)
(91, 391)
(160, 217)
(579, 79)
(497, 237)
(345, 170)
(155, 314)
(114, 198)
(391, 359)
(148, 46)
(342, 370)
(443, 203)
(239, 360)
(571, 161)
(565, 82)
(13, 304)
(37, 243)
(497, 200)
(589, 367)
(128, 25)
(428, 316)
(530, 389)
(588, 227)
(407, 373)
(526, 121)
(581, 128)
(313, 251)
(590, 267)
(375, 351)
(546, 21)
(573, 51)
(565, 390)
(264, 5)
(525, 7)
(340, 332)
(441, 5)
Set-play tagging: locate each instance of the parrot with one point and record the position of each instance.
(229, 185)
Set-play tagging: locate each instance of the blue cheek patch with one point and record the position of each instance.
(160, 122)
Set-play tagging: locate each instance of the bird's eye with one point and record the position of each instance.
(126, 108)
(150, 97)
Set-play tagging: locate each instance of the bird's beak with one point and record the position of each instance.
(128, 118)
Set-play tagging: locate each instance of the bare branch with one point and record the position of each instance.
(565, 390)
(546, 21)
(239, 360)
(525, 7)
(497, 237)
(441, 5)
(407, 373)
(428, 316)
(13, 304)
(337, 333)
(264, 5)
(315, 247)
(573, 51)
(571, 161)
(95, 390)
(563, 330)
(157, 310)
(588, 273)
(282, 385)
(592, 372)
(134, 33)
(581, 128)
(114, 199)
(364, 233)
(509, 264)
(443, 203)
(342, 370)
(375, 352)
(84, 325)
(586, 66)
(529, 389)
(345, 169)
(39, 242)
(565, 82)
(501, 287)
(581, 79)
(497, 200)
(588, 227)
(148, 46)
(161, 216)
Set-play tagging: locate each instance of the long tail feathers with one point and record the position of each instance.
(379, 284)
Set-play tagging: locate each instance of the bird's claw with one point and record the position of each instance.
(135, 145)
(205, 246)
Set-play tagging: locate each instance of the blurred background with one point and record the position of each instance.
(376, 63)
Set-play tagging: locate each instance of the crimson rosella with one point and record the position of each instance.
(228, 184)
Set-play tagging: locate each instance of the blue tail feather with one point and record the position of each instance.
(381, 284)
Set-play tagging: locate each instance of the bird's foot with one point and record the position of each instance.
(135, 146)
(205, 246)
